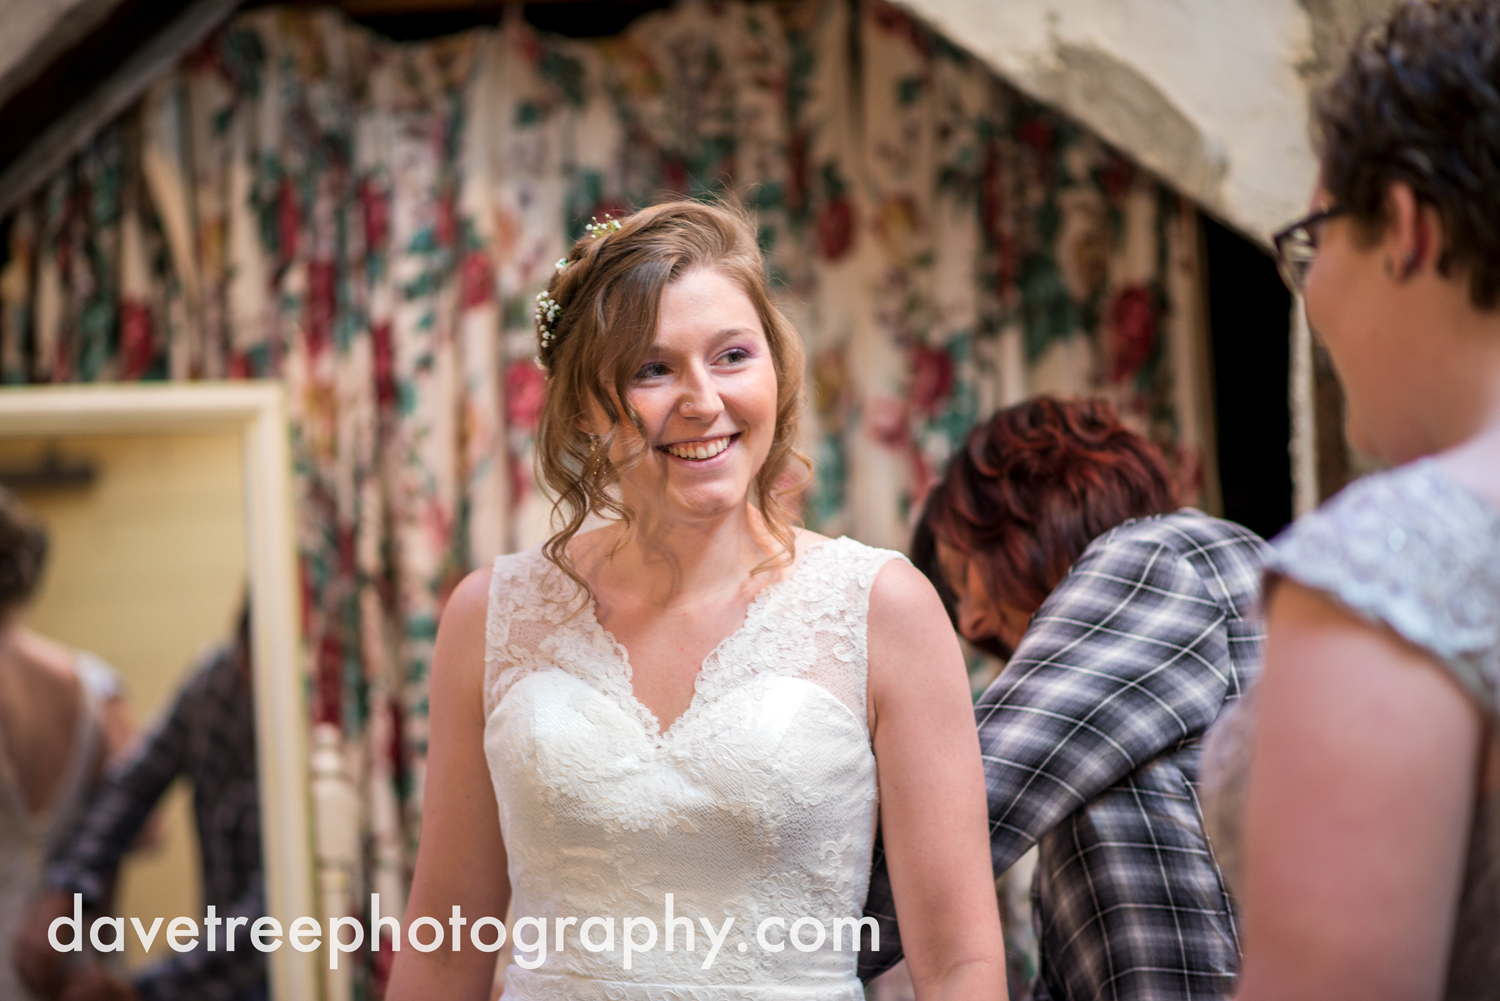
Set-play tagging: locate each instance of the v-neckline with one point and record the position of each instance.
(621, 664)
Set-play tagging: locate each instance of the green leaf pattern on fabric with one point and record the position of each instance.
(368, 221)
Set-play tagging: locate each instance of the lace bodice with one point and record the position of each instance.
(758, 803)
(1417, 552)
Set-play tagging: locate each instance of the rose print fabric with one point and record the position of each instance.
(368, 221)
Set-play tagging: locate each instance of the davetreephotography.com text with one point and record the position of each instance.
(531, 938)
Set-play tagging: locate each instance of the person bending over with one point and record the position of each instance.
(1132, 624)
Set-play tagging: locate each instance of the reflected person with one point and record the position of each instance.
(62, 718)
(207, 736)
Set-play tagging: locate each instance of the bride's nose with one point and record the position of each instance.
(700, 400)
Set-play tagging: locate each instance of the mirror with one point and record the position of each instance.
(165, 502)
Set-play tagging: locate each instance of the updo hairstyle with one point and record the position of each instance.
(607, 294)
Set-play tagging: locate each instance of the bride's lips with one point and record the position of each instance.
(703, 453)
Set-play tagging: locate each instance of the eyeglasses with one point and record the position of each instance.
(1297, 246)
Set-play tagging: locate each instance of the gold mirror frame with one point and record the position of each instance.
(256, 409)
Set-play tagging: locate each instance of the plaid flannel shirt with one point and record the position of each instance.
(1090, 744)
(208, 735)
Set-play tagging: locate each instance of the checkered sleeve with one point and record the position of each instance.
(1126, 659)
(229, 971)
(85, 862)
(1090, 745)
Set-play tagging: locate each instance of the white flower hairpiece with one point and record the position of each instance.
(596, 229)
(547, 309)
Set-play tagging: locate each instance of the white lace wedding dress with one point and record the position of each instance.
(758, 803)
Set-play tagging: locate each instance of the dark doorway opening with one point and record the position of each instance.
(1249, 317)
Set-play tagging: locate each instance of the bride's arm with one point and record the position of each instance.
(461, 857)
(932, 800)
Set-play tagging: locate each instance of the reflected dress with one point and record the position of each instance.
(27, 839)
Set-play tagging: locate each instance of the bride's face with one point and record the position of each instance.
(706, 392)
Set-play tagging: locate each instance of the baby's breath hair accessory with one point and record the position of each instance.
(562, 264)
(596, 229)
(546, 312)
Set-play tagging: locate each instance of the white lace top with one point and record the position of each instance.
(1414, 550)
(758, 804)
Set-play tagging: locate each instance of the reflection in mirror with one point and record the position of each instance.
(168, 516)
(144, 575)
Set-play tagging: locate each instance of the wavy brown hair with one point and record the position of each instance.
(609, 294)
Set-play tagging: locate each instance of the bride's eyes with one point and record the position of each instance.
(658, 369)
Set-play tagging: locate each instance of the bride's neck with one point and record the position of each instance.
(665, 562)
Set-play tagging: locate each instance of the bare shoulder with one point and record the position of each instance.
(46, 666)
(918, 682)
(903, 597)
(458, 657)
(467, 605)
(47, 656)
(807, 539)
(907, 626)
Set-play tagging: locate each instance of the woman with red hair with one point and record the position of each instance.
(1056, 534)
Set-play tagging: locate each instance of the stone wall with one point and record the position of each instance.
(1210, 94)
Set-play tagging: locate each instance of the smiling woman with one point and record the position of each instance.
(631, 298)
(699, 739)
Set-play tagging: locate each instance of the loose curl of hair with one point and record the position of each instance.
(1036, 483)
(23, 552)
(1418, 100)
(610, 297)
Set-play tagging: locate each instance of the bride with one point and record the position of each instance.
(672, 738)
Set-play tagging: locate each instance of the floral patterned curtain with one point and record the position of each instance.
(368, 222)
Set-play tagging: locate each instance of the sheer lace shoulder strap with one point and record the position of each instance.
(835, 602)
(529, 601)
(1418, 552)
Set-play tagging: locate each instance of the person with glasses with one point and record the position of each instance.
(1353, 798)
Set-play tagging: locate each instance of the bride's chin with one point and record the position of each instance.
(701, 502)
(707, 504)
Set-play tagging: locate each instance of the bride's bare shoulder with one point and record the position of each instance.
(473, 592)
(460, 639)
(807, 539)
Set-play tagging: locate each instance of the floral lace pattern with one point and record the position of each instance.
(1416, 551)
(758, 802)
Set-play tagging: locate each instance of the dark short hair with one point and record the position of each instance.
(1418, 100)
(1036, 483)
(23, 552)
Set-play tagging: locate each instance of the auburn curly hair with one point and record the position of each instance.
(1036, 483)
(1418, 100)
(608, 295)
